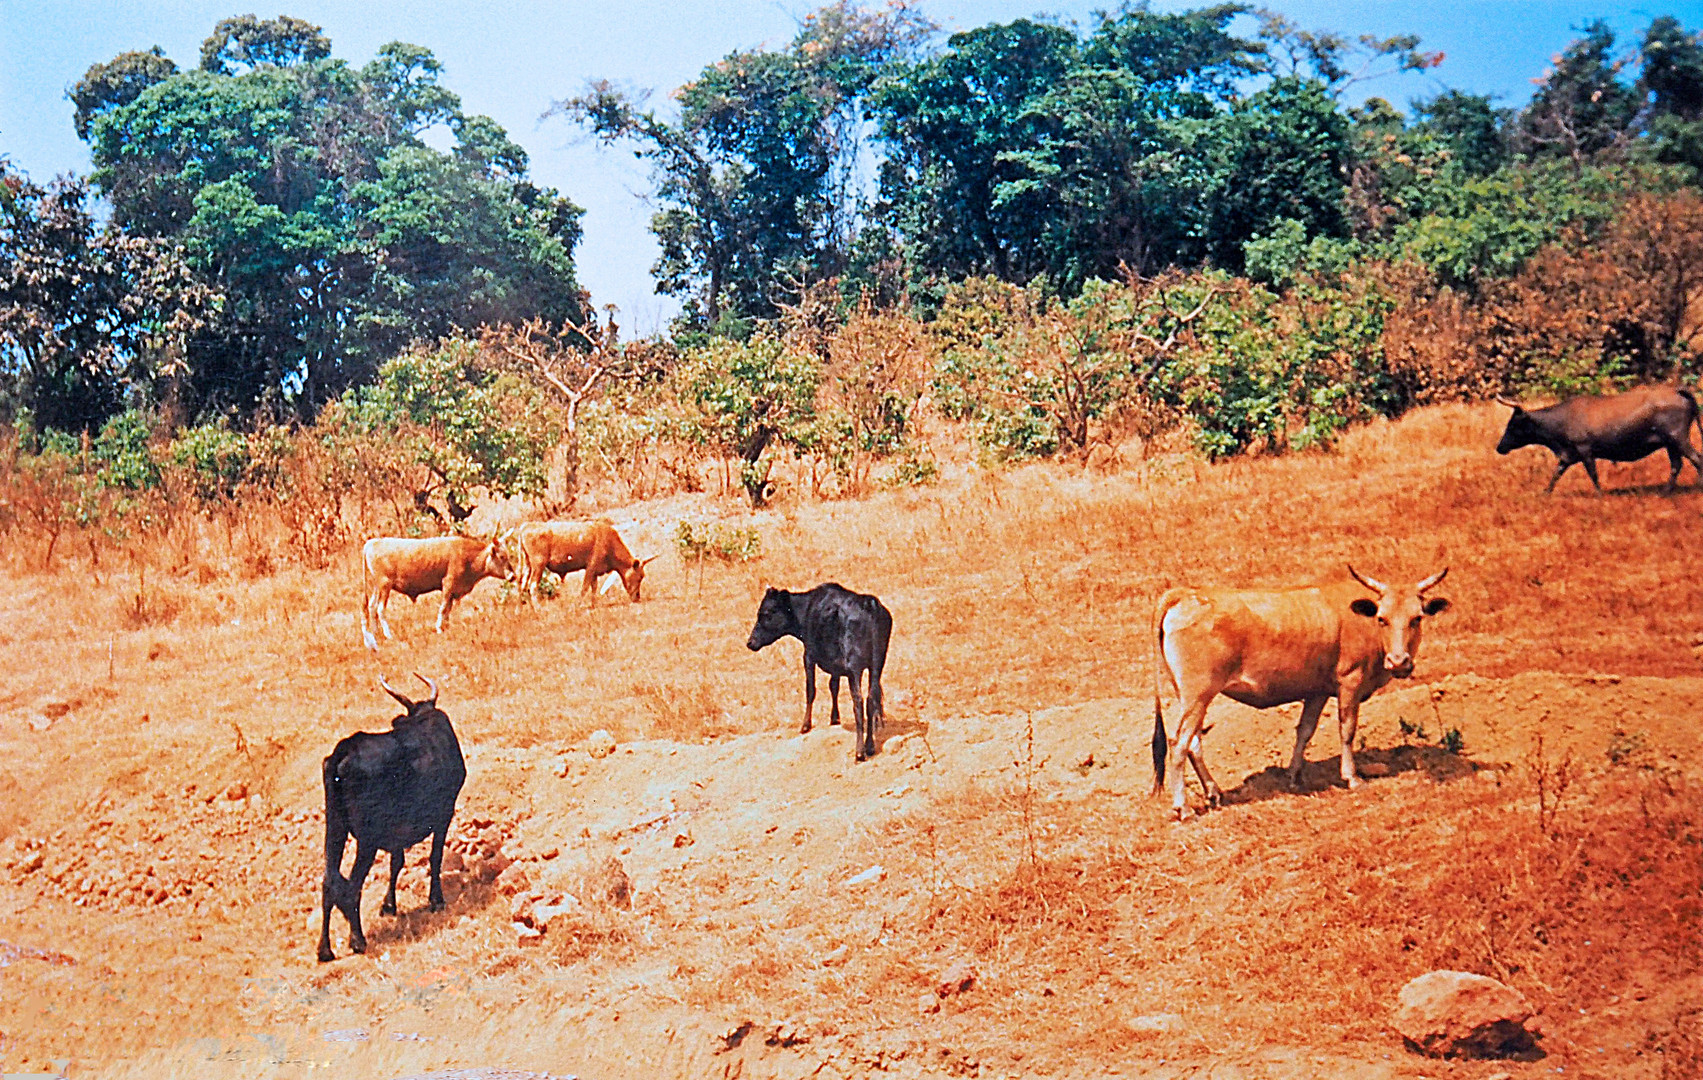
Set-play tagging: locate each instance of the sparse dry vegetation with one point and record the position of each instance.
(176, 859)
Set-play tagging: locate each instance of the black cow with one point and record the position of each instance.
(1614, 427)
(844, 633)
(388, 790)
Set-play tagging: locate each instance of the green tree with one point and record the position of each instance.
(88, 316)
(1581, 107)
(1279, 155)
(1672, 81)
(300, 186)
(755, 177)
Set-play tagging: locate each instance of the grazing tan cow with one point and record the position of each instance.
(1276, 647)
(453, 564)
(565, 546)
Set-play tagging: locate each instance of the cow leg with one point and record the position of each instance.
(865, 745)
(331, 890)
(872, 707)
(1590, 465)
(1214, 796)
(389, 905)
(436, 901)
(1347, 719)
(382, 602)
(809, 694)
(449, 599)
(1304, 729)
(834, 696)
(367, 637)
(1186, 748)
(351, 905)
(1561, 465)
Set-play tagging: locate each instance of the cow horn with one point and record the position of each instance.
(1370, 582)
(647, 562)
(393, 692)
(1433, 580)
(430, 685)
(1500, 400)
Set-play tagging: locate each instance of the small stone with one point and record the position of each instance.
(527, 935)
(613, 885)
(545, 914)
(1156, 1023)
(237, 790)
(895, 743)
(683, 840)
(1459, 1014)
(874, 873)
(928, 1003)
(32, 864)
(955, 979)
(513, 879)
(601, 744)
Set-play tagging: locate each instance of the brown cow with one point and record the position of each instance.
(565, 546)
(1276, 647)
(1612, 427)
(453, 564)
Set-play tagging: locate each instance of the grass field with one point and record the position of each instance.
(160, 827)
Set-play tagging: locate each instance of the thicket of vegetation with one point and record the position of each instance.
(1155, 223)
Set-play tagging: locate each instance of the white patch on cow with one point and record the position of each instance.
(609, 582)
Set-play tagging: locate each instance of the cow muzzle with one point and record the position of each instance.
(1399, 667)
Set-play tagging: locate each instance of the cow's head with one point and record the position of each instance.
(634, 576)
(1400, 614)
(775, 619)
(412, 709)
(1522, 430)
(498, 562)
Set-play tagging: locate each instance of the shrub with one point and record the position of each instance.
(728, 543)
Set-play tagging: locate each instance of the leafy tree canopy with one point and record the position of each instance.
(301, 188)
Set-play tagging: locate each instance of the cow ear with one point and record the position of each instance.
(1364, 607)
(1436, 605)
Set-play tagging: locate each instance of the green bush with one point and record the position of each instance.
(728, 543)
(467, 427)
(215, 458)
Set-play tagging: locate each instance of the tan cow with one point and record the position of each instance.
(453, 564)
(1277, 647)
(565, 546)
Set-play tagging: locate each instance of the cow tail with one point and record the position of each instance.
(1160, 746)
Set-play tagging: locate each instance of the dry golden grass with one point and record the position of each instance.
(163, 730)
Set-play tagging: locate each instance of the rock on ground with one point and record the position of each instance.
(1459, 1014)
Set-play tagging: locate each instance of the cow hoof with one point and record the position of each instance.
(326, 956)
(358, 945)
(804, 730)
(1354, 782)
(436, 905)
(834, 722)
(387, 909)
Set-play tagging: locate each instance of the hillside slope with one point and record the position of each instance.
(160, 831)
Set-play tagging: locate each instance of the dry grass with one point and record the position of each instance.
(1282, 921)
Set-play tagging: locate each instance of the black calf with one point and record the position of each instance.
(388, 790)
(845, 634)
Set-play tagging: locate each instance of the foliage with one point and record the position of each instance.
(756, 177)
(88, 316)
(740, 399)
(1023, 149)
(728, 543)
(301, 187)
(465, 427)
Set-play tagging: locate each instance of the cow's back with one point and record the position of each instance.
(415, 566)
(558, 546)
(844, 631)
(1267, 646)
(1634, 420)
(395, 788)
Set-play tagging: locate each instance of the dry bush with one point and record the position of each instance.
(1621, 307)
(683, 713)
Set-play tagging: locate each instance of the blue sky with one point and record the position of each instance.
(510, 59)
